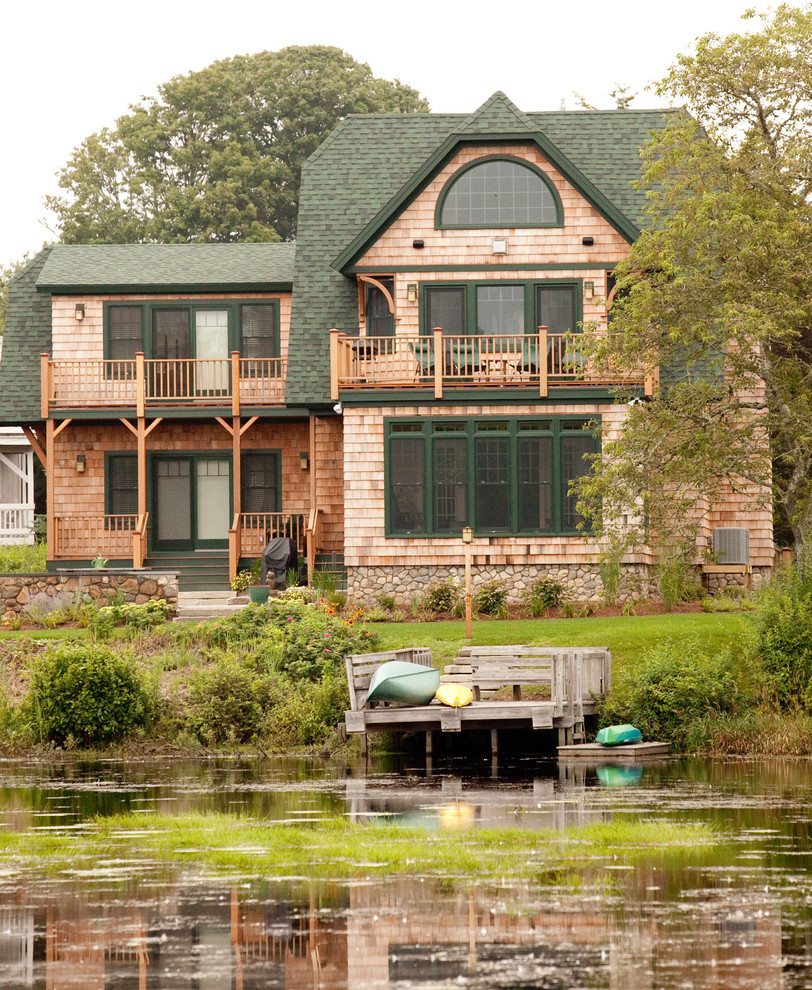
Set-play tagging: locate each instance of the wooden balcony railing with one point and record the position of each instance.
(440, 361)
(142, 382)
(250, 532)
(117, 537)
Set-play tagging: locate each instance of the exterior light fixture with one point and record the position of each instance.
(499, 245)
(79, 311)
(304, 460)
(467, 534)
(338, 408)
(80, 463)
(411, 292)
(587, 241)
(418, 242)
(589, 290)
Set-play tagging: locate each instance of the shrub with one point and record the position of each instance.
(50, 611)
(491, 599)
(86, 693)
(315, 638)
(145, 616)
(227, 702)
(784, 639)
(544, 593)
(672, 686)
(308, 713)
(241, 582)
(386, 602)
(23, 559)
(441, 596)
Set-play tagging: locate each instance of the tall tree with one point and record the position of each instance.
(217, 154)
(717, 291)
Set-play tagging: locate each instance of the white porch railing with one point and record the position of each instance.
(16, 524)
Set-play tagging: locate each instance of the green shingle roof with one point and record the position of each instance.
(359, 174)
(27, 335)
(167, 267)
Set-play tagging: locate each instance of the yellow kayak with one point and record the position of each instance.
(454, 695)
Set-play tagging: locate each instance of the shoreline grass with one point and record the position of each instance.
(336, 848)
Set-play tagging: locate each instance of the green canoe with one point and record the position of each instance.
(618, 735)
(408, 683)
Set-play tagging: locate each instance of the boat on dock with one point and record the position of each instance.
(403, 682)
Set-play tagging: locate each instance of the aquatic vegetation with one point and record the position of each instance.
(336, 847)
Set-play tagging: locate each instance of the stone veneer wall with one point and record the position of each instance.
(581, 581)
(716, 584)
(16, 590)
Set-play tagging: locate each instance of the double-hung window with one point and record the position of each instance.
(500, 476)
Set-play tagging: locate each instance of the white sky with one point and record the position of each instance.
(69, 69)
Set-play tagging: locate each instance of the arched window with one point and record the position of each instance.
(499, 192)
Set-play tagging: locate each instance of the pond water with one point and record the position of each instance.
(737, 917)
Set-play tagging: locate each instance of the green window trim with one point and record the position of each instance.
(461, 173)
(469, 290)
(504, 476)
(261, 481)
(234, 308)
(120, 484)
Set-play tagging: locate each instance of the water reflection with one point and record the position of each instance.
(738, 918)
(402, 933)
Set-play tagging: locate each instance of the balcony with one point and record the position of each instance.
(440, 361)
(142, 383)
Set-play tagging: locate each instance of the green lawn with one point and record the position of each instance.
(623, 636)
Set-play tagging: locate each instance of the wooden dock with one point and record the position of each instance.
(572, 680)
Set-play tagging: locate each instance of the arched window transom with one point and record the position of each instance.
(499, 193)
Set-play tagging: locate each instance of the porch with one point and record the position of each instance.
(439, 361)
(124, 537)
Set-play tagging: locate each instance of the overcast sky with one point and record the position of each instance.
(69, 69)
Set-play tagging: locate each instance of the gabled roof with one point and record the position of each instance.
(498, 119)
(76, 268)
(372, 165)
(27, 334)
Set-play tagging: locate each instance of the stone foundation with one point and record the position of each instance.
(582, 582)
(101, 586)
(717, 584)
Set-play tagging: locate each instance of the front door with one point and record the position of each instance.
(191, 498)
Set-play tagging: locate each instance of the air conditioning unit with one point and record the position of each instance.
(731, 546)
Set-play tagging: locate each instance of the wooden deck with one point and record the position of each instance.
(574, 680)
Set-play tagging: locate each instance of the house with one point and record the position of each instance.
(411, 367)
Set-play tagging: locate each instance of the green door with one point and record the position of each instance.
(191, 501)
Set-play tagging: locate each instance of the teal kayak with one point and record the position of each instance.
(408, 683)
(617, 735)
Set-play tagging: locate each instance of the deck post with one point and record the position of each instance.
(494, 742)
(49, 482)
(140, 388)
(542, 362)
(334, 334)
(437, 333)
(235, 384)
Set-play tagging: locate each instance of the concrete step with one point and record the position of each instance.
(194, 606)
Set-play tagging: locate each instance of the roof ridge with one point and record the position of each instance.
(497, 106)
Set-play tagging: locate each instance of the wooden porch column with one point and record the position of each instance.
(141, 441)
(49, 482)
(437, 333)
(542, 360)
(236, 467)
(312, 461)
